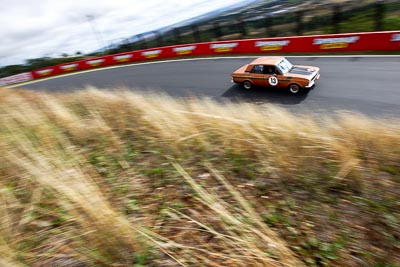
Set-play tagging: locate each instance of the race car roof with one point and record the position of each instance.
(266, 61)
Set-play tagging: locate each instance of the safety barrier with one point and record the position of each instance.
(349, 42)
(18, 78)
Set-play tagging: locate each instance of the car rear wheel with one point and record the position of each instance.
(294, 88)
(247, 85)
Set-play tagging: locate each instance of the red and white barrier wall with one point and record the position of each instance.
(349, 42)
(19, 78)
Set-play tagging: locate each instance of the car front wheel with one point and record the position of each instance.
(294, 88)
(247, 85)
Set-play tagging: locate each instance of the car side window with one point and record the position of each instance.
(268, 69)
(258, 69)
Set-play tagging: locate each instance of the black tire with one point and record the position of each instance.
(294, 88)
(247, 85)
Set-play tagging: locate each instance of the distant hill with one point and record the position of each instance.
(246, 10)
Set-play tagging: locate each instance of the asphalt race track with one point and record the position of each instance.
(368, 85)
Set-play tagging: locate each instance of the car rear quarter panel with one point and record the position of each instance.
(240, 74)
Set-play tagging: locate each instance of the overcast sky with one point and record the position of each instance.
(37, 28)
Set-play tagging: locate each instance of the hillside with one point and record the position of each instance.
(114, 178)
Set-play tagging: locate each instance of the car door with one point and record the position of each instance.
(258, 76)
(271, 76)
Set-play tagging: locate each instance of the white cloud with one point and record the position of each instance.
(39, 28)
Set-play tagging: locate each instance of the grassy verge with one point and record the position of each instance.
(99, 178)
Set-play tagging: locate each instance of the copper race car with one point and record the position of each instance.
(276, 72)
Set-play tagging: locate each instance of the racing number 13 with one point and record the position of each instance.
(273, 81)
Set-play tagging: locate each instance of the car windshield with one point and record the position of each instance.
(285, 66)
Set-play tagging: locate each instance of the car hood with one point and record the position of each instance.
(302, 71)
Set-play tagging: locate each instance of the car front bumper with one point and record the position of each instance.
(312, 82)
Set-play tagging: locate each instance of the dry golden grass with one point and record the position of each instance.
(101, 178)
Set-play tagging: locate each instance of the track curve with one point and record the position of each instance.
(368, 85)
